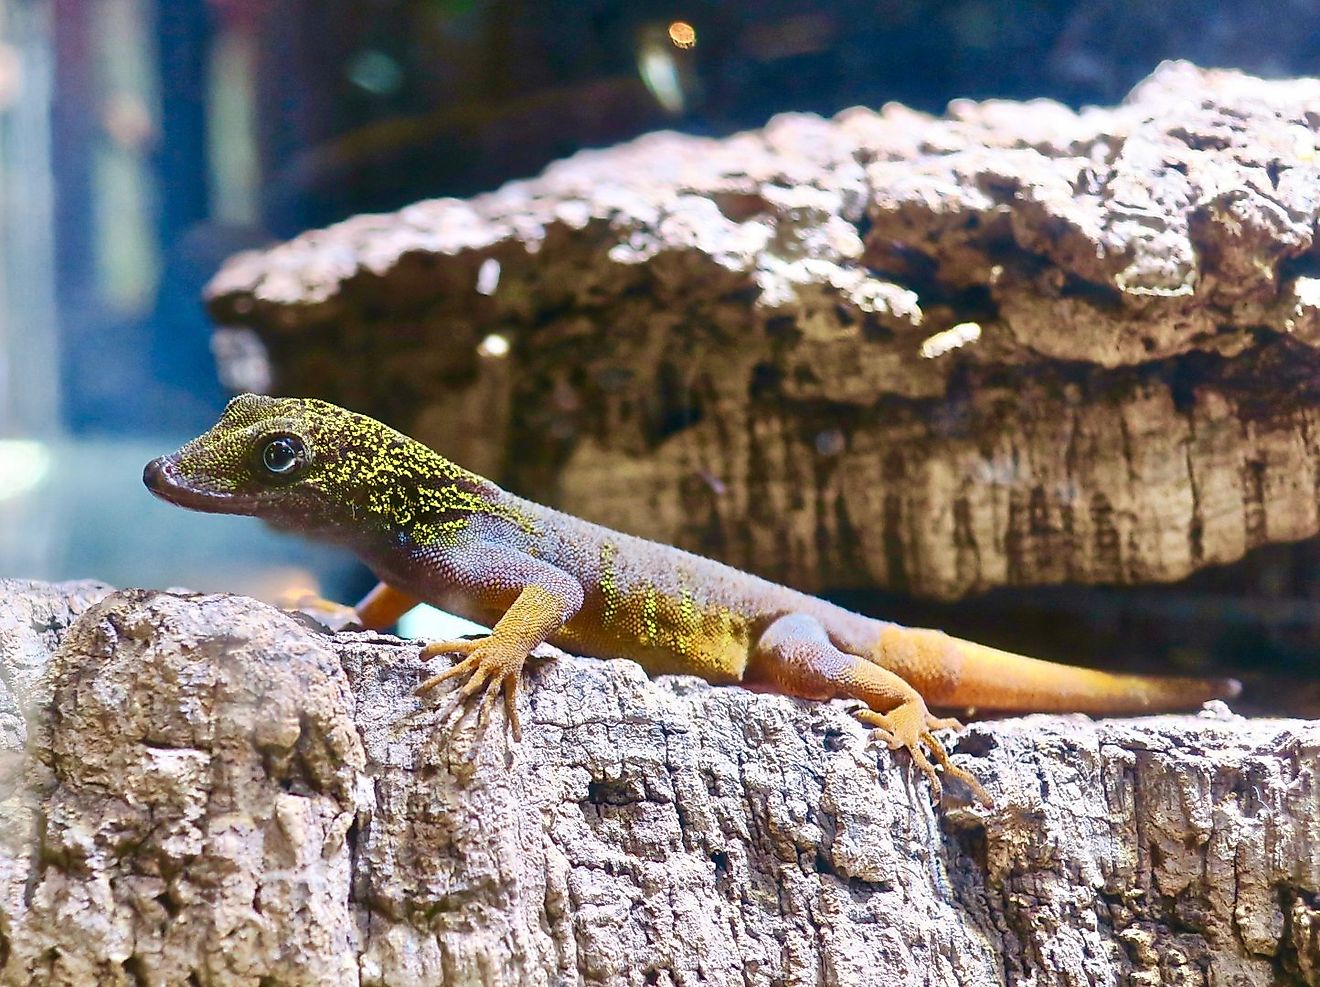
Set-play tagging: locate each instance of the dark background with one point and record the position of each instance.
(143, 141)
(367, 105)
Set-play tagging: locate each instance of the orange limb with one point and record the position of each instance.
(378, 610)
(383, 606)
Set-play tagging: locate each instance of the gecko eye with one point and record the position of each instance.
(283, 457)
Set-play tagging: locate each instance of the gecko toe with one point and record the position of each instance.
(461, 646)
(920, 759)
(492, 692)
(943, 723)
(466, 667)
(511, 707)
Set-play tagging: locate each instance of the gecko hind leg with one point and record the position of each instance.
(796, 657)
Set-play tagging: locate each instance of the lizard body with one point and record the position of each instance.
(436, 533)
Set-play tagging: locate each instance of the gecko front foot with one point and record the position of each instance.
(911, 727)
(489, 667)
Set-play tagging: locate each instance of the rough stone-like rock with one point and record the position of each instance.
(193, 775)
(217, 793)
(1013, 345)
(34, 617)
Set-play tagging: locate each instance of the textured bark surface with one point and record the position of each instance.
(216, 793)
(733, 345)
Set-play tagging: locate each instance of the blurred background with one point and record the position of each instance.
(143, 141)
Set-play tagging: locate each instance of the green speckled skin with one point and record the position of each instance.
(437, 533)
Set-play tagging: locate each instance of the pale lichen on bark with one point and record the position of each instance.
(216, 793)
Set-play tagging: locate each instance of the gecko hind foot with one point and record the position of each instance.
(902, 729)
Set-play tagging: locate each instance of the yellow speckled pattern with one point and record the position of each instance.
(609, 586)
(666, 631)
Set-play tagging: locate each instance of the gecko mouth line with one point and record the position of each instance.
(161, 476)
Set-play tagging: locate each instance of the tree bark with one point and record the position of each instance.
(215, 792)
(1012, 345)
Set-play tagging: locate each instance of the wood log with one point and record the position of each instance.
(1012, 345)
(215, 792)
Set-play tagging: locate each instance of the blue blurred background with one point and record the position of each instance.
(143, 141)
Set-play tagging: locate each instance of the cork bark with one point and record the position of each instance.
(215, 792)
(746, 346)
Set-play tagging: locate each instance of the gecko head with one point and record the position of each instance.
(312, 467)
(294, 462)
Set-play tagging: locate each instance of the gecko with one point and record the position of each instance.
(433, 532)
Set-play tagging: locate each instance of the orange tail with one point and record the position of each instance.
(994, 679)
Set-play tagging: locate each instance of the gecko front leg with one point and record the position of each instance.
(536, 598)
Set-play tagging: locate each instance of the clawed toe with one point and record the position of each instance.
(881, 727)
(460, 646)
(335, 616)
(943, 723)
(468, 666)
(920, 759)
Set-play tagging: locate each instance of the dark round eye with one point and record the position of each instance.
(283, 456)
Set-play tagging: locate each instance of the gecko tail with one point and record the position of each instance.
(1000, 680)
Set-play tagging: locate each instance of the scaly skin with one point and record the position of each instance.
(435, 533)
